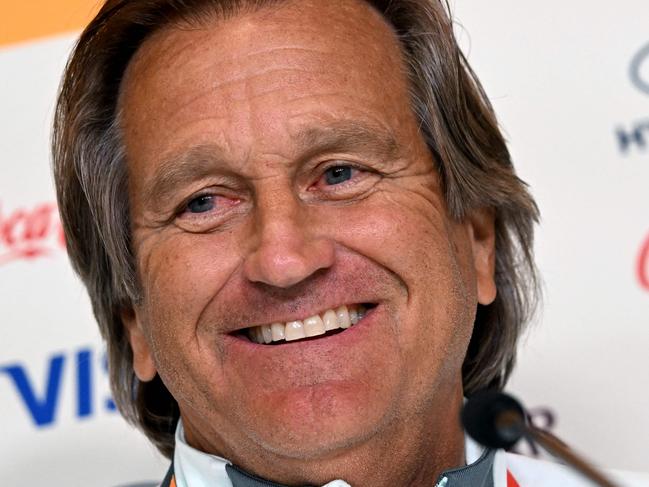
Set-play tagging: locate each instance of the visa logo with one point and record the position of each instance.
(42, 399)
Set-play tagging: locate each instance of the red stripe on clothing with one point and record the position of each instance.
(511, 481)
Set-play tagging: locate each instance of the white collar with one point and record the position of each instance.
(194, 468)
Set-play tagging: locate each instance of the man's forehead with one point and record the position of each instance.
(172, 50)
(217, 71)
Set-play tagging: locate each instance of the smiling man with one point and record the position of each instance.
(301, 233)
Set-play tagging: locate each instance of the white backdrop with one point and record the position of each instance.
(575, 107)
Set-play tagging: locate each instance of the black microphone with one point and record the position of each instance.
(497, 420)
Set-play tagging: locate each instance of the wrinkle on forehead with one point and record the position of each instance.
(173, 41)
(173, 55)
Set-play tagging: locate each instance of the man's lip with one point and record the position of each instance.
(300, 315)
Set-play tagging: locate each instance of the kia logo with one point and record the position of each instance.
(640, 69)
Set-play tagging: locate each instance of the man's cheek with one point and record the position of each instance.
(181, 276)
(191, 371)
(381, 229)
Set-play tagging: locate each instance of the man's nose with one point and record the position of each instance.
(288, 245)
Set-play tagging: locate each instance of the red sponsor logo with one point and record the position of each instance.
(643, 265)
(30, 233)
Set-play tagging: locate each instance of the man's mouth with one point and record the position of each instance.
(329, 322)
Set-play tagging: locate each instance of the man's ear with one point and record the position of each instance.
(482, 234)
(143, 364)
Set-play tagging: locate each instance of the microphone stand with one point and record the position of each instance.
(553, 445)
(560, 450)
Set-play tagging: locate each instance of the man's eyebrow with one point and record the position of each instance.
(350, 136)
(198, 162)
(203, 160)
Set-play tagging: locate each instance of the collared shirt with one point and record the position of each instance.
(193, 468)
(485, 468)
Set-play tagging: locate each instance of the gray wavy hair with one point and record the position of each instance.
(456, 120)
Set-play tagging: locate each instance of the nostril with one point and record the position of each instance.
(284, 258)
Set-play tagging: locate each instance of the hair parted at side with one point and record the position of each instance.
(456, 120)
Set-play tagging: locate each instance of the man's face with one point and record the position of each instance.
(277, 172)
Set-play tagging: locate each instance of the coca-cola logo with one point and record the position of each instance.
(640, 69)
(30, 233)
(643, 265)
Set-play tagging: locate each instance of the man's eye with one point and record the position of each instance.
(338, 174)
(201, 204)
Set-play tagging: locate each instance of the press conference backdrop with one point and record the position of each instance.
(570, 83)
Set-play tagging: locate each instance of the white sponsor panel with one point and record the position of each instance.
(570, 83)
(560, 77)
(58, 424)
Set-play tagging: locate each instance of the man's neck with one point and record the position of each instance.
(410, 452)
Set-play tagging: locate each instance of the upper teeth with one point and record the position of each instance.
(342, 317)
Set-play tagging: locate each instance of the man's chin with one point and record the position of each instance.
(318, 425)
(313, 443)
